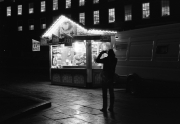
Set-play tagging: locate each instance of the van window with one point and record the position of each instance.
(121, 51)
(121, 47)
(162, 49)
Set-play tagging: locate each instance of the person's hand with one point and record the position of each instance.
(103, 52)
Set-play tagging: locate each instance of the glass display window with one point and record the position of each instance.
(63, 56)
(97, 47)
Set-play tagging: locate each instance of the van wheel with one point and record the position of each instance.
(132, 86)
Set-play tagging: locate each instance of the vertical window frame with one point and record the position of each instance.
(31, 8)
(81, 2)
(8, 11)
(20, 25)
(96, 17)
(68, 4)
(43, 23)
(112, 14)
(146, 10)
(95, 1)
(31, 24)
(165, 8)
(43, 6)
(55, 5)
(82, 18)
(128, 13)
(19, 10)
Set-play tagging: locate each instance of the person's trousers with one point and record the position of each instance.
(105, 87)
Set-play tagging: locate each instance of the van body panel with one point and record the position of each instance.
(151, 53)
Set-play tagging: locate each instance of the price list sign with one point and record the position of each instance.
(35, 45)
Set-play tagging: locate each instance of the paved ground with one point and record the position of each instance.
(13, 105)
(71, 105)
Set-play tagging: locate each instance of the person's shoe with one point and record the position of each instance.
(110, 109)
(103, 110)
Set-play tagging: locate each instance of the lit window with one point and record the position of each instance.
(31, 24)
(43, 23)
(8, 11)
(111, 15)
(20, 26)
(96, 17)
(31, 8)
(81, 2)
(82, 18)
(43, 6)
(19, 9)
(128, 13)
(95, 1)
(68, 3)
(146, 10)
(31, 27)
(165, 8)
(55, 4)
(43, 26)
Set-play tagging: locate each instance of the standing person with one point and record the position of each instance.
(107, 75)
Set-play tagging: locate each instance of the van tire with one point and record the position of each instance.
(133, 84)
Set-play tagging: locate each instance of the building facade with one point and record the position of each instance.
(24, 20)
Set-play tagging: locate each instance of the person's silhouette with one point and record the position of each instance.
(107, 75)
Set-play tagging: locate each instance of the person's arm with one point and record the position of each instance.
(98, 60)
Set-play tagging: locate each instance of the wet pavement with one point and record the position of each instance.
(13, 105)
(70, 105)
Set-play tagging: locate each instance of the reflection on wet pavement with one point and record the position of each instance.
(82, 106)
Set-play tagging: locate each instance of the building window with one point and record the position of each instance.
(55, 4)
(96, 17)
(146, 10)
(19, 9)
(43, 6)
(43, 23)
(20, 25)
(8, 11)
(165, 8)
(31, 24)
(68, 3)
(111, 15)
(20, 28)
(95, 1)
(128, 13)
(81, 2)
(82, 18)
(31, 8)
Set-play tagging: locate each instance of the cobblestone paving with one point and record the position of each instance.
(82, 106)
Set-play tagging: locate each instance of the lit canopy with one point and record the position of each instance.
(65, 26)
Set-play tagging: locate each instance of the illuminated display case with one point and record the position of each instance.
(64, 56)
(75, 55)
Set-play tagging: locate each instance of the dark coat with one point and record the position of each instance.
(109, 65)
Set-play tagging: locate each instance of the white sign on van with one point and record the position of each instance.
(35, 45)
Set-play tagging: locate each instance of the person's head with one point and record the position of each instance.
(111, 53)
